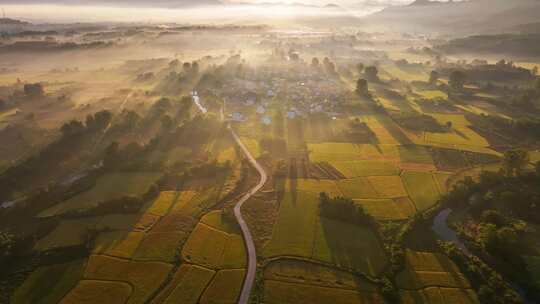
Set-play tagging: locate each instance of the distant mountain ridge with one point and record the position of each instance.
(474, 16)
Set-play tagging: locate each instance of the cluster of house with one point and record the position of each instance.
(300, 93)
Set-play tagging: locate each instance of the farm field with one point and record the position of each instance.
(107, 187)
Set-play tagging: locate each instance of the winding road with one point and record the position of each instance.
(248, 239)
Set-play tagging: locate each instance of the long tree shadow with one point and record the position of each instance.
(394, 130)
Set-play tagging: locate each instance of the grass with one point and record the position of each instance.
(276, 292)
(118, 243)
(89, 292)
(422, 189)
(49, 284)
(108, 186)
(160, 246)
(145, 277)
(431, 94)
(387, 186)
(225, 287)
(191, 285)
(68, 233)
(425, 269)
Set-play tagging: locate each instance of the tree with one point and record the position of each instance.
(34, 90)
(360, 68)
(457, 80)
(372, 73)
(7, 242)
(534, 71)
(315, 62)
(433, 77)
(515, 161)
(98, 121)
(449, 125)
(72, 128)
(362, 87)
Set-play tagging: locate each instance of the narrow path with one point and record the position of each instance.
(248, 239)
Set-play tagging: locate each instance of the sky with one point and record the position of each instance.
(178, 10)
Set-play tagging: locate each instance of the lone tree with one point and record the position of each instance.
(34, 90)
(433, 77)
(457, 80)
(371, 73)
(362, 87)
(515, 161)
(315, 62)
(360, 67)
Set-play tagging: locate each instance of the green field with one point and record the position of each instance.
(49, 284)
(321, 239)
(109, 186)
(422, 189)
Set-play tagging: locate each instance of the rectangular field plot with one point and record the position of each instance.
(349, 246)
(386, 209)
(118, 243)
(363, 168)
(161, 205)
(415, 154)
(388, 186)
(159, 246)
(215, 249)
(276, 292)
(109, 186)
(357, 188)
(90, 292)
(302, 272)
(294, 232)
(461, 133)
(188, 285)
(49, 284)
(438, 295)
(67, 234)
(225, 287)
(331, 152)
(425, 269)
(146, 277)
(422, 189)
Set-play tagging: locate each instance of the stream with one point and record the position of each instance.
(445, 233)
